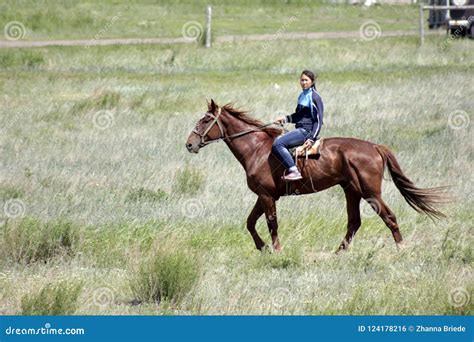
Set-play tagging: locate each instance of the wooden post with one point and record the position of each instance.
(422, 27)
(208, 26)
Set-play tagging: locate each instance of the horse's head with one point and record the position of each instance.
(208, 129)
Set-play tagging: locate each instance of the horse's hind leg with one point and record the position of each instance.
(256, 212)
(387, 216)
(353, 217)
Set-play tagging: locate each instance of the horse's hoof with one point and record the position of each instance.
(401, 245)
(278, 248)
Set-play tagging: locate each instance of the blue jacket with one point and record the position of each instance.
(309, 118)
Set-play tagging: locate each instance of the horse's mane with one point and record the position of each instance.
(245, 117)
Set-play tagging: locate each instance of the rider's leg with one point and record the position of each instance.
(281, 145)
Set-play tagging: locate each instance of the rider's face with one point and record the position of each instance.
(305, 82)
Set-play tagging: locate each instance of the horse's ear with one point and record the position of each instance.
(212, 106)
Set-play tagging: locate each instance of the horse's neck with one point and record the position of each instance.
(244, 148)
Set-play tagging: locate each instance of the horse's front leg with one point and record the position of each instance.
(257, 211)
(269, 207)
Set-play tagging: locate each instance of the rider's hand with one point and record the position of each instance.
(308, 143)
(280, 120)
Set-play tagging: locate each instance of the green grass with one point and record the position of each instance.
(141, 194)
(29, 240)
(9, 192)
(188, 180)
(125, 206)
(52, 299)
(165, 276)
(120, 19)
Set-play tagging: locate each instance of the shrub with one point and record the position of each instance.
(101, 100)
(165, 276)
(8, 192)
(29, 240)
(188, 180)
(53, 299)
(145, 195)
(20, 58)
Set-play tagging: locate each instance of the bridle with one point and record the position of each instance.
(202, 136)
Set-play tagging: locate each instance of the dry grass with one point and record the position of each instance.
(94, 139)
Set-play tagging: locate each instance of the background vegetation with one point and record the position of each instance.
(105, 212)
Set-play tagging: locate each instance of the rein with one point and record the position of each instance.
(223, 136)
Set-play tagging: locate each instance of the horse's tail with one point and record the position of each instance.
(422, 200)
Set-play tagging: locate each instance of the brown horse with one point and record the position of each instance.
(356, 165)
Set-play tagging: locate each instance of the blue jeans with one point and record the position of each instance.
(291, 139)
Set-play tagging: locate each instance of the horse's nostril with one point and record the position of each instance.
(189, 145)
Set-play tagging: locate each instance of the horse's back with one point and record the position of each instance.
(349, 146)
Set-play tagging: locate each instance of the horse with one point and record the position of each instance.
(355, 165)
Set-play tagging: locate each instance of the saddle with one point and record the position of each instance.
(300, 151)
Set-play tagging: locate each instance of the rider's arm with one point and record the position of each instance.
(295, 117)
(319, 107)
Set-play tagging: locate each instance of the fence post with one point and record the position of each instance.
(422, 28)
(208, 26)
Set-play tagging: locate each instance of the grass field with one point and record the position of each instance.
(105, 212)
(69, 19)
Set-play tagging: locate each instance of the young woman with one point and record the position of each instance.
(308, 118)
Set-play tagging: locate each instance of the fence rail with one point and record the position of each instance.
(437, 7)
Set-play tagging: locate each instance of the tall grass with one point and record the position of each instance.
(30, 240)
(99, 100)
(53, 299)
(10, 192)
(129, 189)
(165, 276)
(166, 18)
(188, 180)
(144, 195)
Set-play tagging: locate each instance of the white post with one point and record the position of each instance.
(448, 12)
(208, 26)
(422, 28)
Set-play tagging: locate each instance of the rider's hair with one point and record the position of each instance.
(311, 76)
